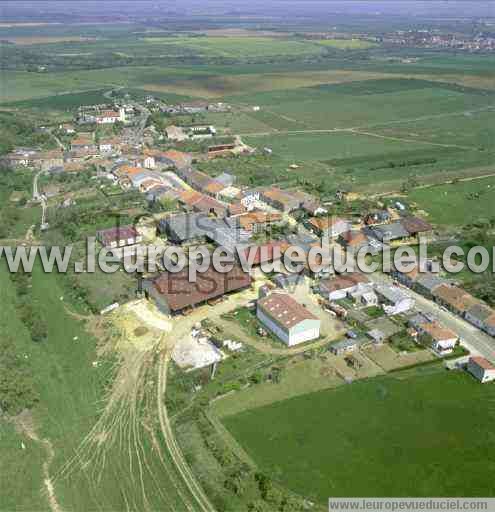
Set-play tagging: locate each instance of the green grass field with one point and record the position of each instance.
(346, 44)
(459, 203)
(237, 47)
(72, 391)
(64, 102)
(393, 436)
(328, 146)
(368, 103)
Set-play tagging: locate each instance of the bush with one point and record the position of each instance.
(17, 388)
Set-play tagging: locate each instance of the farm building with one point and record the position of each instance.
(453, 298)
(280, 199)
(178, 159)
(347, 346)
(199, 202)
(84, 141)
(404, 231)
(422, 282)
(426, 284)
(377, 217)
(331, 227)
(339, 286)
(353, 240)
(395, 300)
(173, 292)
(479, 315)
(257, 221)
(110, 117)
(287, 319)
(364, 295)
(377, 336)
(119, 237)
(221, 150)
(394, 233)
(109, 145)
(481, 368)
(184, 227)
(416, 226)
(214, 189)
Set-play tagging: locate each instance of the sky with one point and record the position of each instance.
(433, 8)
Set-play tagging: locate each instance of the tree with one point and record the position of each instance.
(256, 377)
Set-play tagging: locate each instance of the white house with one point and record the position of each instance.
(339, 287)
(119, 237)
(250, 199)
(481, 368)
(149, 162)
(110, 117)
(395, 300)
(444, 340)
(290, 321)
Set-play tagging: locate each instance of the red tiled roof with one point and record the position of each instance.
(454, 296)
(438, 332)
(415, 225)
(236, 208)
(344, 281)
(109, 113)
(214, 187)
(482, 363)
(277, 194)
(206, 204)
(179, 158)
(107, 236)
(180, 293)
(490, 321)
(265, 252)
(352, 238)
(324, 223)
(247, 220)
(284, 310)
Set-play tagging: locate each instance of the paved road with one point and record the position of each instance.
(473, 339)
(36, 194)
(39, 197)
(140, 123)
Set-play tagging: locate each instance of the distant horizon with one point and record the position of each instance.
(429, 8)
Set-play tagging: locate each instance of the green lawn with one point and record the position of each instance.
(457, 204)
(412, 434)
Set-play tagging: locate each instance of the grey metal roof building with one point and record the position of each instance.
(394, 231)
(347, 345)
(429, 281)
(185, 227)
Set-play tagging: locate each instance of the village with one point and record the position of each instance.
(364, 322)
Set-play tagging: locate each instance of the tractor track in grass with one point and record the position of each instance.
(172, 446)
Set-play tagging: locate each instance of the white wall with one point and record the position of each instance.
(303, 331)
